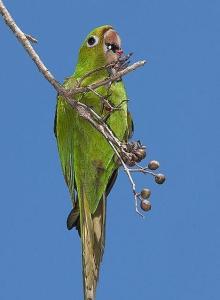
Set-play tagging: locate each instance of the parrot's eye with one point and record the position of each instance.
(92, 41)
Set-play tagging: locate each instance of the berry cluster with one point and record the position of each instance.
(144, 195)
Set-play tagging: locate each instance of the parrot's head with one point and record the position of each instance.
(102, 46)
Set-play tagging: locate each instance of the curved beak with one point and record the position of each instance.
(112, 45)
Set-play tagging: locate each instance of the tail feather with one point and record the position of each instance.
(93, 242)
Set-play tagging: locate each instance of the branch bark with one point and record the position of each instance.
(83, 110)
(130, 153)
(113, 78)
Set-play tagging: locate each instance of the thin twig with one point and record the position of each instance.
(31, 38)
(103, 100)
(127, 171)
(83, 110)
(110, 79)
(92, 72)
(120, 148)
(27, 45)
(143, 170)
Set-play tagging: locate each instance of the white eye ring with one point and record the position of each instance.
(92, 41)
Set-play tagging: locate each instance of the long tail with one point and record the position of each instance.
(93, 239)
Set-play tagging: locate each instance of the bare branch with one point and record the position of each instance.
(127, 153)
(110, 79)
(92, 72)
(27, 45)
(84, 111)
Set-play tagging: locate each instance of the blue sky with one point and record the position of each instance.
(175, 102)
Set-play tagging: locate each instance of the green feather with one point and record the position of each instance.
(88, 162)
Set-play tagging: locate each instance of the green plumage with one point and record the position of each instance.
(88, 162)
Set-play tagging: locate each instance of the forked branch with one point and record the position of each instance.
(128, 153)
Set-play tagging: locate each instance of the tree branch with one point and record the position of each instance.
(110, 79)
(27, 45)
(129, 153)
(83, 110)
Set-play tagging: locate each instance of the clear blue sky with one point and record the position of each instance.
(175, 101)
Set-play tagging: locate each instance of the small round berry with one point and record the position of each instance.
(145, 193)
(130, 163)
(145, 205)
(141, 153)
(160, 178)
(153, 165)
(135, 157)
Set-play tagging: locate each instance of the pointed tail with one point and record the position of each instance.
(93, 239)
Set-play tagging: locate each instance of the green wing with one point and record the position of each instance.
(77, 138)
(89, 167)
(63, 129)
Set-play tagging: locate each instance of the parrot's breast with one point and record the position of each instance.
(92, 158)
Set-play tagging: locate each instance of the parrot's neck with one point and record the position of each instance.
(86, 66)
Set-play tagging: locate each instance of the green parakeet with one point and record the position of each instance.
(88, 162)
